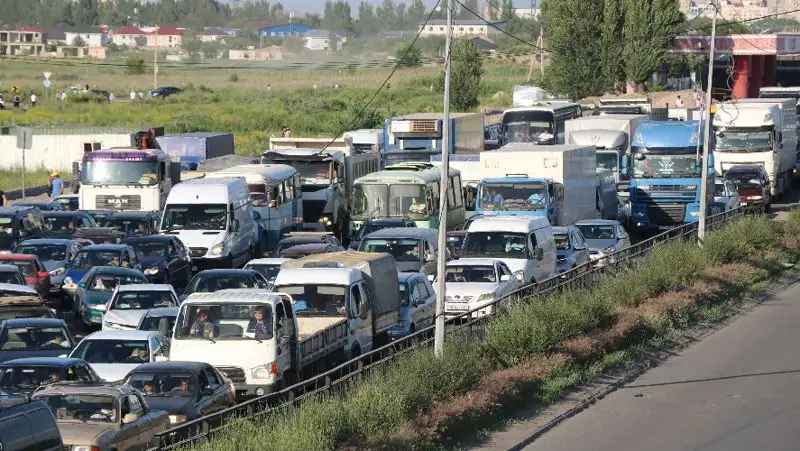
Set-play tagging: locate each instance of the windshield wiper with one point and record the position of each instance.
(253, 338)
(207, 338)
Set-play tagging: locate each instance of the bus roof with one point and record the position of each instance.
(257, 173)
(402, 175)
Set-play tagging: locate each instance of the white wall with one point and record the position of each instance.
(54, 151)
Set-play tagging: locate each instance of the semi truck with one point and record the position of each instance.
(357, 288)
(192, 148)
(424, 131)
(666, 181)
(327, 178)
(558, 182)
(610, 134)
(758, 131)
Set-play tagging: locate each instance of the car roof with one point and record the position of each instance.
(403, 232)
(472, 262)
(29, 322)
(745, 168)
(132, 214)
(106, 247)
(9, 268)
(49, 361)
(115, 270)
(457, 233)
(18, 257)
(100, 388)
(145, 287)
(305, 239)
(54, 241)
(404, 276)
(158, 312)
(21, 289)
(267, 261)
(120, 335)
(148, 238)
(223, 272)
(60, 214)
(596, 222)
(171, 365)
(389, 221)
(306, 247)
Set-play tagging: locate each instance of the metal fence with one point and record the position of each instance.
(467, 325)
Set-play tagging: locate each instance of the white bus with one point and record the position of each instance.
(542, 123)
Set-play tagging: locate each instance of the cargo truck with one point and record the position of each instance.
(758, 131)
(611, 136)
(257, 361)
(470, 168)
(558, 182)
(423, 131)
(192, 148)
(357, 288)
(540, 123)
(329, 144)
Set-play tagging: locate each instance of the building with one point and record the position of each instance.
(272, 52)
(129, 36)
(281, 31)
(733, 10)
(22, 42)
(321, 40)
(461, 28)
(165, 37)
(212, 35)
(527, 13)
(92, 37)
(57, 35)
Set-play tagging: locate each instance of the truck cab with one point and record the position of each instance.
(520, 196)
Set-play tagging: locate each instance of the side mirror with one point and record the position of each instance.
(538, 254)
(101, 307)
(430, 257)
(42, 274)
(639, 157)
(82, 284)
(256, 216)
(130, 418)
(505, 278)
(362, 311)
(63, 356)
(431, 278)
(236, 225)
(207, 392)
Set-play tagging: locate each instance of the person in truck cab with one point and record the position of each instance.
(202, 327)
(258, 325)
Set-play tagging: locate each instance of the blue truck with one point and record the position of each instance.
(666, 181)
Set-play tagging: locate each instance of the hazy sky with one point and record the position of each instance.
(318, 5)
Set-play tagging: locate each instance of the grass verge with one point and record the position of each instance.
(533, 351)
(11, 180)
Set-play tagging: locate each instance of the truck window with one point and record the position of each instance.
(533, 242)
(355, 303)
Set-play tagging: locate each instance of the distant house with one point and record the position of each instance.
(399, 34)
(272, 52)
(58, 35)
(461, 28)
(212, 35)
(93, 37)
(321, 39)
(281, 31)
(129, 36)
(165, 37)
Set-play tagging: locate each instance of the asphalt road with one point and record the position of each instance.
(735, 390)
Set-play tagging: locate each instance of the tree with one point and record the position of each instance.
(468, 5)
(650, 27)
(574, 38)
(507, 10)
(408, 56)
(465, 77)
(367, 23)
(701, 25)
(135, 65)
(416, 14)
(191, 44)
(78, 42)
(85, 12)
(612, 37)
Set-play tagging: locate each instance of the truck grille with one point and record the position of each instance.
(198, 251)
(234, 373)
(124, 202)
(666, 214)
(312, 210)
(666, 193)
(423, 126)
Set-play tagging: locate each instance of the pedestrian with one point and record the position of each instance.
(133, 95)
(268, 88)
(17, 101)
(141, 95)
(57, 184)
(287, 132)
(111, 97)
(33, 100)
(679, 101)
(63, 96)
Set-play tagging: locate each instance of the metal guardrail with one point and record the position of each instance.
(342, 378)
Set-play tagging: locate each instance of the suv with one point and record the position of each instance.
(414, 249)
(752, 184)
(135, 222)
(296, 238)
(28, 425)
(375, 224)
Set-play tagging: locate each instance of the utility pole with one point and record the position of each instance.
(438, 338)
(701, 229)
(155, 61)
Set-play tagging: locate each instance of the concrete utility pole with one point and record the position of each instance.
(155, 61)
(438, 338)
(701, 229)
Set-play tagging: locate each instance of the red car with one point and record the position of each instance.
(36, 276)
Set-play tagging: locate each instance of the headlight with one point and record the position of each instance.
(403, 323)
(58, 271)
(217, 249)
(488, 297)
(754, 197)
(84, 448)
(264, 371)
(174, 419)
(152, 271)
(609, 250)
(68, 281)
(520, 275)
(643, 187)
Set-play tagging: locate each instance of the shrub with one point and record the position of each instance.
(233, 78)
(135, 65)
(742, 239)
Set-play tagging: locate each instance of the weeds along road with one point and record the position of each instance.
(735, 390)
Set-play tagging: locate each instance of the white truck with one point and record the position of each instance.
(611, 135)
(558, 182)
(758, 131)
(258, 360)
(355, 288)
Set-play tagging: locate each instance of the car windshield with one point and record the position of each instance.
(209, 283)
(512, 196)
(315, 300)
(382, 200)
(34, 338)
(129, 225)
(151, 249)
(29, 377)
(314, 172)
(112, 351)
(162, 384)
(403, 250)
(719, 189)
(369, 227)
(153, 323)
(496, 245)
(239, 321)
(107, 282)
(6, 226)
(11, 277)
(61, 223)
(143, 300)
(195, 217)
(25, 312)
(528, 127)
(607, 161)
(82, 407)
(27, 266)
(744, 179)
(562, 241)
(597, 231)
(119, 173)
(283, 245)
(481, 274)
(743, 141)
(88, 259)
(100, 218)
(268, 271)
(666, 163)
(45, 252)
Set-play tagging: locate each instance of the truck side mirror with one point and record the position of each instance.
(235, 225)
(362, 311)
(538, 254)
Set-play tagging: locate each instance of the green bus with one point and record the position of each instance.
(409, 190)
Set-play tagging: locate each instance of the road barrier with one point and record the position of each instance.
(341, 379)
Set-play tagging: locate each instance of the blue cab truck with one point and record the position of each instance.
(666, 180)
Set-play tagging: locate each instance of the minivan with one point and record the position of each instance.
(525, 244)
(415, 249)
(28, 425)
(213, 217)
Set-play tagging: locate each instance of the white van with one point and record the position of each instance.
(525, 244)
(214, 219)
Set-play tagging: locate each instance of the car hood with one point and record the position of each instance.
(461, 289)
(75, 433)
(53, 264)
(200, 238)
(5, 356)
(96, 297)
(76, 274)
(174, 405)
(124, 317)
(111, 372)
(149, 262)
(599, 245)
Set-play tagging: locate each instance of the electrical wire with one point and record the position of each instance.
(500, 29)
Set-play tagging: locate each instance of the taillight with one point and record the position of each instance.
(42, 275)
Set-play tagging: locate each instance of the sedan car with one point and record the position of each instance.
(268, 267)
(211, 280)
(304, 250)
(571, 248)
(27, 374)
(603, 237)
(164, 259)
(418, 304)
(35, 272)
(296, 238)
(103, 416)
(134, 222)
(54, 254)
(161, 320)
(725, 195)
(114, 353)
(96, 289)
(475, 282)
(375, 224)
(166, 91)
(11, 274)
(752, 183)
(69, 202)
(60, 224)
(100, 216)
(130, 302)
(97, 255)
(186, 390)
(34, 337)
(47, 205)
(20, 301)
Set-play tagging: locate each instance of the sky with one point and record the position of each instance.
(302, 6)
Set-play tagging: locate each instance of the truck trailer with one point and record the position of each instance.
(192, 148)
(423, 131)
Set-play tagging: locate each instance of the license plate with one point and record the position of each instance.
(95, 316)
(457, 307)
(194, 268)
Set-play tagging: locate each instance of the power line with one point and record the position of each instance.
(501, 30)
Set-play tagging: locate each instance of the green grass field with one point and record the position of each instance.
(11, 180)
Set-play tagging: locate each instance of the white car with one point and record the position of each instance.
(474, 282)
(726, 195)
(112, 354)
(129, 303)
(268, 267)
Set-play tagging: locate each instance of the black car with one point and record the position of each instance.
(161, 383)
(166, 91)
(164, 259)
(27, 374)
(134, 222)
(34, 337)
(211, 280)
(100, 216)
(27, 424)
(59, 224)
(296, 238)
(99, 235)
(18, 224)
(45, 205)
(375, 224)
